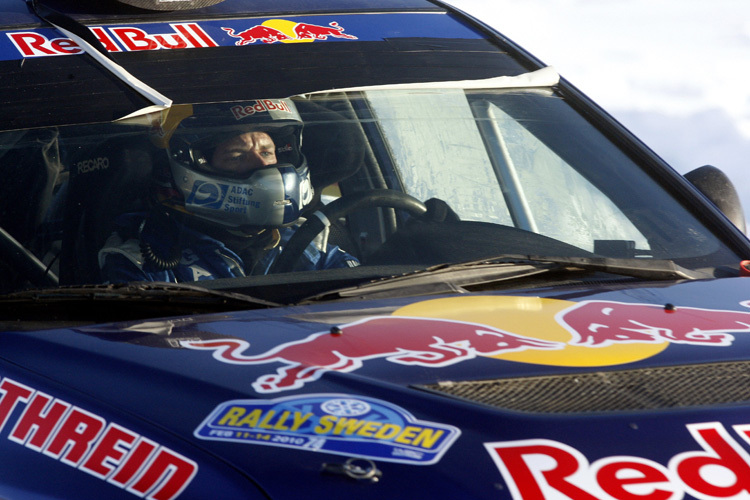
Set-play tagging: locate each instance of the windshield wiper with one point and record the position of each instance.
(121, 302)
(456, 278)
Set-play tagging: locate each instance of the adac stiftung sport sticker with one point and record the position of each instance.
(331, 423)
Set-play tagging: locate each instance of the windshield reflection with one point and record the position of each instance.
(376, 178)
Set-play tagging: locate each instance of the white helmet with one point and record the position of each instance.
(267, 197)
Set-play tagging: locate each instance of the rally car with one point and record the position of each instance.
(349, 249)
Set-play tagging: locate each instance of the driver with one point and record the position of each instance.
(225, 200)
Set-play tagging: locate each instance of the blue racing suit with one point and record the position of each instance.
(202, 257)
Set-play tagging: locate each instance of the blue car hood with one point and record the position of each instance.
(497, 395)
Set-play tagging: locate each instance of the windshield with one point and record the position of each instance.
(367, 182)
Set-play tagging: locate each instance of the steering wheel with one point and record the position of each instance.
(341, 207)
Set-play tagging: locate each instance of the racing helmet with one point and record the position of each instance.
(267, 197)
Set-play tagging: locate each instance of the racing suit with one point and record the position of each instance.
(202, 257)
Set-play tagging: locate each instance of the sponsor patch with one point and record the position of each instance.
(331, 423)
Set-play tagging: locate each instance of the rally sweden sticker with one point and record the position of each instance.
(331, 423)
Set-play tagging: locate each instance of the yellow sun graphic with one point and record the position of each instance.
(286, 27)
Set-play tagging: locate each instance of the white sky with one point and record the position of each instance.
(675, 72)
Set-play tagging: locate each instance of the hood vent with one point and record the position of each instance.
(642, 389)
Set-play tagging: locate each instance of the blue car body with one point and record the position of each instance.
(602, 381)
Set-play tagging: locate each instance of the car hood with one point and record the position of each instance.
(448, 396)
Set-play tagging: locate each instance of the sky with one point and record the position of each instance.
(674, 72)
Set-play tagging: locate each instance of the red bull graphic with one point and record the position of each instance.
(600, 323)
(538, 469)
(527, 330)
(315, 32)
(281, 30)
(331, 423)
(406, 341)
(86, 441)
(257, 34)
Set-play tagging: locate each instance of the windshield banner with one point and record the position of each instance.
(46, 42)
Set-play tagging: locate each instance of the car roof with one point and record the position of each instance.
(17, 12)
(46, 81)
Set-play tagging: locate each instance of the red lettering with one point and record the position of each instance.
(133, 463)
(31, 44)
(65, 46)
(105, 39)
(75, 437)
(617, 473)
(38, 422)
(183, 30)
(241, 112)
(177, 42)
(135, 39)
(12, 392)
(537, 469)
(533, 467)
(698, 469)
(109, 451)
(185, 35)
(169, 472)
(206, 40)
(276, 105)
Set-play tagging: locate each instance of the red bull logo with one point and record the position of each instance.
(529, 330)
(281, 30)
(47, 42)
(601, 323)
(406, 341)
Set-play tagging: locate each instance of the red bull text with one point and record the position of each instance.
(114, 39)
(538, 469)
(241, 111)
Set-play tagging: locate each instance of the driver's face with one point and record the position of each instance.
(244, 153)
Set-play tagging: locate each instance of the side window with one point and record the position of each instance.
(562, 204)
(439, 153)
